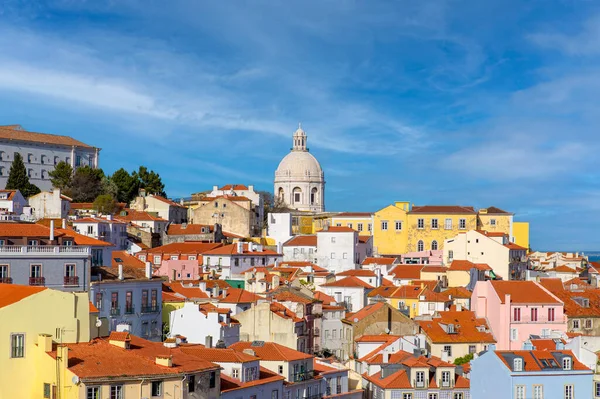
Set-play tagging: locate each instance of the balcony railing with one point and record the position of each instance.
(302, 376)
(150, 309)
(129, 309)
(419, 384)
(6, 280)
(527, 319)
(44, 249)
(37, 281)
(338, 389)
(115, 311)
(71, 280)
(446, 384)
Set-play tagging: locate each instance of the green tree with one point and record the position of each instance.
(127, 185)
(150, 181)
(87, 184)
(18, 179)
(462, 360)
(106, 204)
(62, 175)
(272, 204)
(109, 187)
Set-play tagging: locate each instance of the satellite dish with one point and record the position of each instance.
(98, 323)
(75, 380)
(356, 320)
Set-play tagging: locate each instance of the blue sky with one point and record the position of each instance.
(435, 102)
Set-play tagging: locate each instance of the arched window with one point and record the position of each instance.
(56, 160)
(1, 170)
(281, 194)
(297, 195)
(420, 246)
(30, 173)
(44, 174)
(2, 155)
(434, 245)
(313, 196)
(30, 158)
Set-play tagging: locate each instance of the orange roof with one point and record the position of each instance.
(167, 201)
(283, 312)
(495, 210)
(80, 239)
(443, 209)
(397, 380)
(227, 197)
(553, 284)
(179, 230)
(266, 376)
(364, 312)
(17, 133)
(302, 241)
(384, 291)
(234, 187)
(432, 296)
(434, 269)
(512, 245)
(349, 281)
(523, 292)
(11, 194)
(357, 273)
(285, 296)
(431, 284)
(379, 261)
(545, 344)
(186, 291)
(93, 309)
(492, 233)
(323, 297)
(186, 247)
(239, 295)
(12, 293)
(271, 351)
(532, 359)
(337, 229)
(206, 308)
(407, 272)
(232, 249)
(122, 336)
(377, 338)
(25, 230)
(465, 265)
(125, 259)
(99, 359)
(458, 292)
(219, 355)
(132, 215)
(563, 269)
(466, 328)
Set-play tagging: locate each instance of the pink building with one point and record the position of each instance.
(517, 309)
(179, 270)
(423, 257)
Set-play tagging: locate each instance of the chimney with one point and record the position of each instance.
(249, 352)
(148, 270)
(202, 286)
(62, 352)
(166, 361)
(275, 282)
(208, 341)
(224, 293)
(215, 188)
(121, 277)
(64, 223)
(385, 357)
(171, 343)
(109, 217)
(51, 230)
(240, 247)
(458, 307)
(45, 342)
(378, 280)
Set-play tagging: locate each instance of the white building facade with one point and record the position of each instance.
(196, 322)
(50, 205)
(108, 230)
(337, 249)
(299, 179)
(41, 152)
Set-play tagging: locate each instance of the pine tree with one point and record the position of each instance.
(62, 175)
(18, 179)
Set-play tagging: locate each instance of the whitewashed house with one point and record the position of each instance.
(302, 248)
(337, 248)
(105, 229)
(12, 202)
(198, 321)
(232, 261)
(50, 205)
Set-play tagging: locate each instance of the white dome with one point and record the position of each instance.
(299, 165)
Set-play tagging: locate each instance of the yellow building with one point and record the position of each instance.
(495, 220)
(359, 221)
(26, 313)
(390, 229)
(521, 234)
(404, 298)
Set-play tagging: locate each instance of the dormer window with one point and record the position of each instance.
(567, 363)
(518, 364)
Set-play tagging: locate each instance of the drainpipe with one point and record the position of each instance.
(182, 381)
(141, 388)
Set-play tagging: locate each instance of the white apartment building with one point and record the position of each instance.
(302, 248)
(197, 322)
(337, 248)
(50, 205)
(41, 152)
(109, 230)
(12, 202)
(232, 261)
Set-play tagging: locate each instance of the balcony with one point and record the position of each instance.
(150, 309)
(6, 280)
(37, 281)
(302, 376)
(71, 280)
(129, 309)
(446, 384)
(115, 312)
(419, 384)
(44, 250)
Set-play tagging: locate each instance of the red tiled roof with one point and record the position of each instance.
(122, 336)
(80, 239)
(125, 259)
(407, 291)
(132, 215)
(271, 351)
(465, 328)
(465, 265)
(266, 376)
(186, 247)
(494, 210)
(357, 273)
(218, 355)
(532, 359)
(434, 269)
(337, 229)
(492, 233)
(458, 292)
(377, 338)
(283, 312)
(195, 229)
(545, 344)
(323, 297)
(553, 284)
(166, 201)
(234, 198)
(17, 133)
(235, 187)
(407, 272)
(288, 296)
(12, 293)
(25, 230)
(93, 308)
(232, 249)
(99, 359)
(349, 281)
(186, 291)
(523, 292)
(443, 209)
(239, 295)
(379, 261)
(432, 296)
(302, 241)
(364, 312)
(512, 245)
(563, 269)
(397, 380)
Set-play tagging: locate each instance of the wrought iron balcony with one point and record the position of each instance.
(37, 281)
(150, 309)
(129, 309)
(315, 396)
(71, 280)
(115, 311)
(302, 376)
(6, 280)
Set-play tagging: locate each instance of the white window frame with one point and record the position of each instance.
(538, 391)
(398, 225)
(518, 364)
(420, 246)
(420, 223)
(384, 225)
(434, 224)
(95, 392)
(155, 257)
(492, 222)
(359, 226)
(462, 224)
(569, 391)
(20, 343)
(567, 363)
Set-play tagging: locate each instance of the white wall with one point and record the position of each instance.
(195, 326)
(357, 296)
(279, 227)
(336, 251)
(49, 205)
(301, 254)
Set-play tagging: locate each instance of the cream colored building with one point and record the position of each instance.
(235, 214)
(299, 179)
(359, 221)
(161, 206)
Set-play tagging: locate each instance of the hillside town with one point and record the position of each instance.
(111, 289)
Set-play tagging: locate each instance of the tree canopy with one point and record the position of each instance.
(127, 185)
(150, 181)
(62, 176)
(106, 204)
(86, 184)
(18, 178)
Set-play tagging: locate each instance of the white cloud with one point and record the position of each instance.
(586, 42)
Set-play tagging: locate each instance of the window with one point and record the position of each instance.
(213, 379)
(448, 224)
(235, 373)
(93, 393)
(154, 299)
(538, 392)
(345, 255)
(434, 245)
(445, 378)
(434, 223)
(70, 270)
(384, 225)
(156, 388)
(296, 197)
(333, 255)
(116, 392)
(90, 229)
(458, 395)
(569, 392)
(236, 262)
(349, 225)
(420, 378)
(588, 323)
(157, 259)
(280, 368)
(462, 224)
(46, 390)
(534, 313)
(514, 334)
(550, 314)
(359, 226)
(576, 324)
(145, 330)
(4, 272)
(566, 363)
(274, 394)
(17, 345)
(492, 222)
(420, 246)
(338, 225)
(114, 300)
(370, 227)
(472, 349)
(517, 314)
(35, 271)
(144, 298)
(518, 364)
(333, 240)
(407, 396)
(32, 242)
(432, 396)
(99, 300)
(420, 223)
(450, 254)
(448, 349)
(129, 302)
(78, 160)
(398, 225)
(191, 383)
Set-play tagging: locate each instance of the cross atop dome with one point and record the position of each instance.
(299, 139)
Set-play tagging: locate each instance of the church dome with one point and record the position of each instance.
(299, 165)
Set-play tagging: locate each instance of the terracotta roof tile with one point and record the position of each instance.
(93, 308)
(379, 261)
(166, 201)
(397, 380)
(12, 293)
(25, 230)
(232, 249)
(523, 292)
(239, 295)
(350, 281)
(467, 328)
(189, 229)
(364, 312)
(405, 272)
(193, 292)
(463, 210)
(271, 351)
(17, 133)
(80, 239)
(266, 376)
(458, 292)
(357, 273)
(132, 215)
(302, 241)
(187, 247)
(494, 210)
(235, 187)
(465, 265)
(283, 312)
(545, 344)
(219, 355)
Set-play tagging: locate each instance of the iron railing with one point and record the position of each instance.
(37, 281)
(71, 280)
